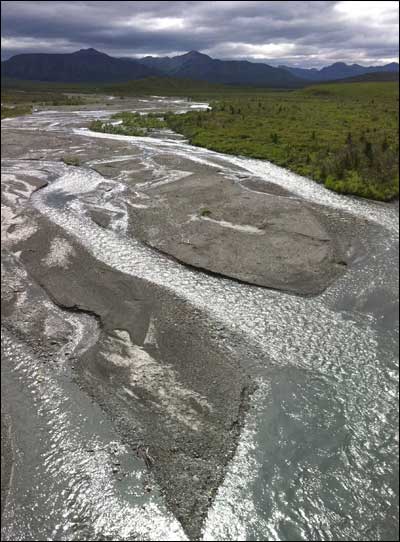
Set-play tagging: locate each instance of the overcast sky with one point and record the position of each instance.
(294, 33)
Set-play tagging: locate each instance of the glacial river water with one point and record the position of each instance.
(317, 458)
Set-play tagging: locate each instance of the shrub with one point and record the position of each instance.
(71, 160)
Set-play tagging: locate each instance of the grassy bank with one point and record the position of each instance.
(342, 135)
(16, 102)
(15, 111)
(131, 124)
(158, 86)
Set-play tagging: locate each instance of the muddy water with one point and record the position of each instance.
(317, 458)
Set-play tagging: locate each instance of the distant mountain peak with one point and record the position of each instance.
(339, 70)
(195, 54)
(86, 65)
(89, 52)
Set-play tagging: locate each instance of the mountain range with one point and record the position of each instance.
(86, 65)
(195, 65)
(89, 65)
(339, 70)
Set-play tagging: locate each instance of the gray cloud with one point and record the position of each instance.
(292, 32)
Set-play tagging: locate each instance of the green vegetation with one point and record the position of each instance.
(71, 160)
(131, 124)
(169, 86)
(370, 77)
(15, 111)
(159, 86)
(16, 102)
(342, 135)
(39, 98)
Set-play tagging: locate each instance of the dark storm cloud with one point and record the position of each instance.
(299, 33)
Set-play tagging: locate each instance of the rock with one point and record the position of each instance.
(258, 238)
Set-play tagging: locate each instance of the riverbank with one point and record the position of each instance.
(343, 136)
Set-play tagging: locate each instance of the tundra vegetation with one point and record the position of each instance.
(132, 124)
(342, 135)
(15, 102)
(15, 110)
(71, 160)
